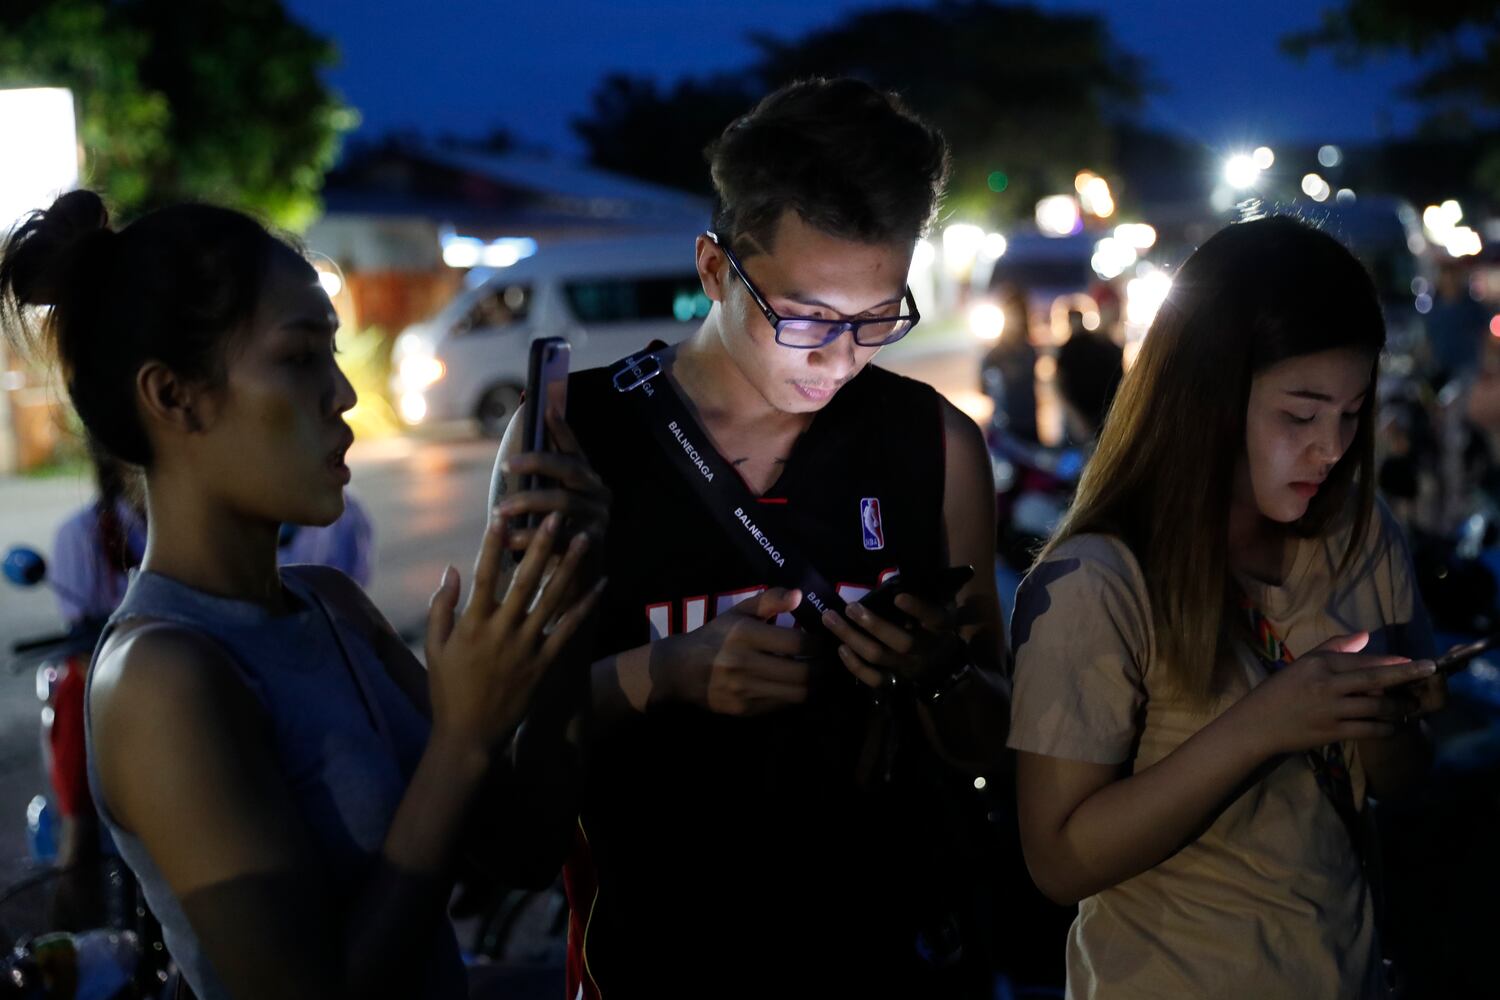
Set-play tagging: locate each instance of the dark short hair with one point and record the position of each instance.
(1089, 369)
(852, 160)
(175, 286)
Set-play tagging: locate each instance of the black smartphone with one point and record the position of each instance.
(1458, 657)
(546, 393)
(935, 587)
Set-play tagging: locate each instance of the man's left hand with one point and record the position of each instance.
(873, 648)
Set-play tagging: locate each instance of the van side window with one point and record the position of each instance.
(500, 307)
(625, 300)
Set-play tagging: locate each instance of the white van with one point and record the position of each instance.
(608, 298)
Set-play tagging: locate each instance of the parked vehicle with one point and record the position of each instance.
(607, 298)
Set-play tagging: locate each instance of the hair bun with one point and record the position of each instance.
(49, 245)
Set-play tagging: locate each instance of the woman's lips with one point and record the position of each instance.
(338, 466)
(336, 463)
(1306, 490)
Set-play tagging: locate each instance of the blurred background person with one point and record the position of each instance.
(1089, 369)
(1456, 326)
(1008, 369)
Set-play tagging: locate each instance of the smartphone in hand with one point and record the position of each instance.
(937, 587)
(546, 394)
(1458, 657)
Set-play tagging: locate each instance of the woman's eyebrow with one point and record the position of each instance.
(1321, 397)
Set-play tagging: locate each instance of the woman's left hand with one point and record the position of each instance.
(873, 649)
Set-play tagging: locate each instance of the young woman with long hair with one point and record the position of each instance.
(1212, 655)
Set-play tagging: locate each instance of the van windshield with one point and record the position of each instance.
(497, 308)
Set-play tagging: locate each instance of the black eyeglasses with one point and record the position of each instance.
(808, 334)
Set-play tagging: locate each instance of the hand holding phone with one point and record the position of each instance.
(888, 642)
(1459, 656)
(546, 394)
(935, 587)
(1431, 692)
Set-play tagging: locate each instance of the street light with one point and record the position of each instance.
(1463, 242)
(470, 251)
(413, 407)
(1058, 215)
(39, 159)
(1111, 257)
(1139, 235)
(986, 321)
(1315, 187)
(1241, 171)
(38, 162)
(1095, 195)
(961, 244)
(331, 282)
(1144, 296)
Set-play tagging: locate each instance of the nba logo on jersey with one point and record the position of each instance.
(869, 523)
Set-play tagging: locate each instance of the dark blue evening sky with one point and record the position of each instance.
(465, 66)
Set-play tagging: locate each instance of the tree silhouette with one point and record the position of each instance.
(1459, 40)
(1025, 97)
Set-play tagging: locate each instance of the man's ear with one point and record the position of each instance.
(167, 399)
(713, 268)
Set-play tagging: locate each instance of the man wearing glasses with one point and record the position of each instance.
(744, 828)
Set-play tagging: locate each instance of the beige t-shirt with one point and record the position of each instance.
(1270, 901)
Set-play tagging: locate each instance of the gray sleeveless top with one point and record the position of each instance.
(347, 739)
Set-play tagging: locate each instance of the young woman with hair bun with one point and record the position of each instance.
(290, 787)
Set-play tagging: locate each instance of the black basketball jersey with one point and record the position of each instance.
(712, 846)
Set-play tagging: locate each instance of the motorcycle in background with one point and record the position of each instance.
(75, 926)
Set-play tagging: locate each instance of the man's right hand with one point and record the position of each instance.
(737, 664)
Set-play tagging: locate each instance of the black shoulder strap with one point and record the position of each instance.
(754, 529)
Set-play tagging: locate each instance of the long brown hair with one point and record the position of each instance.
(1161, 478)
